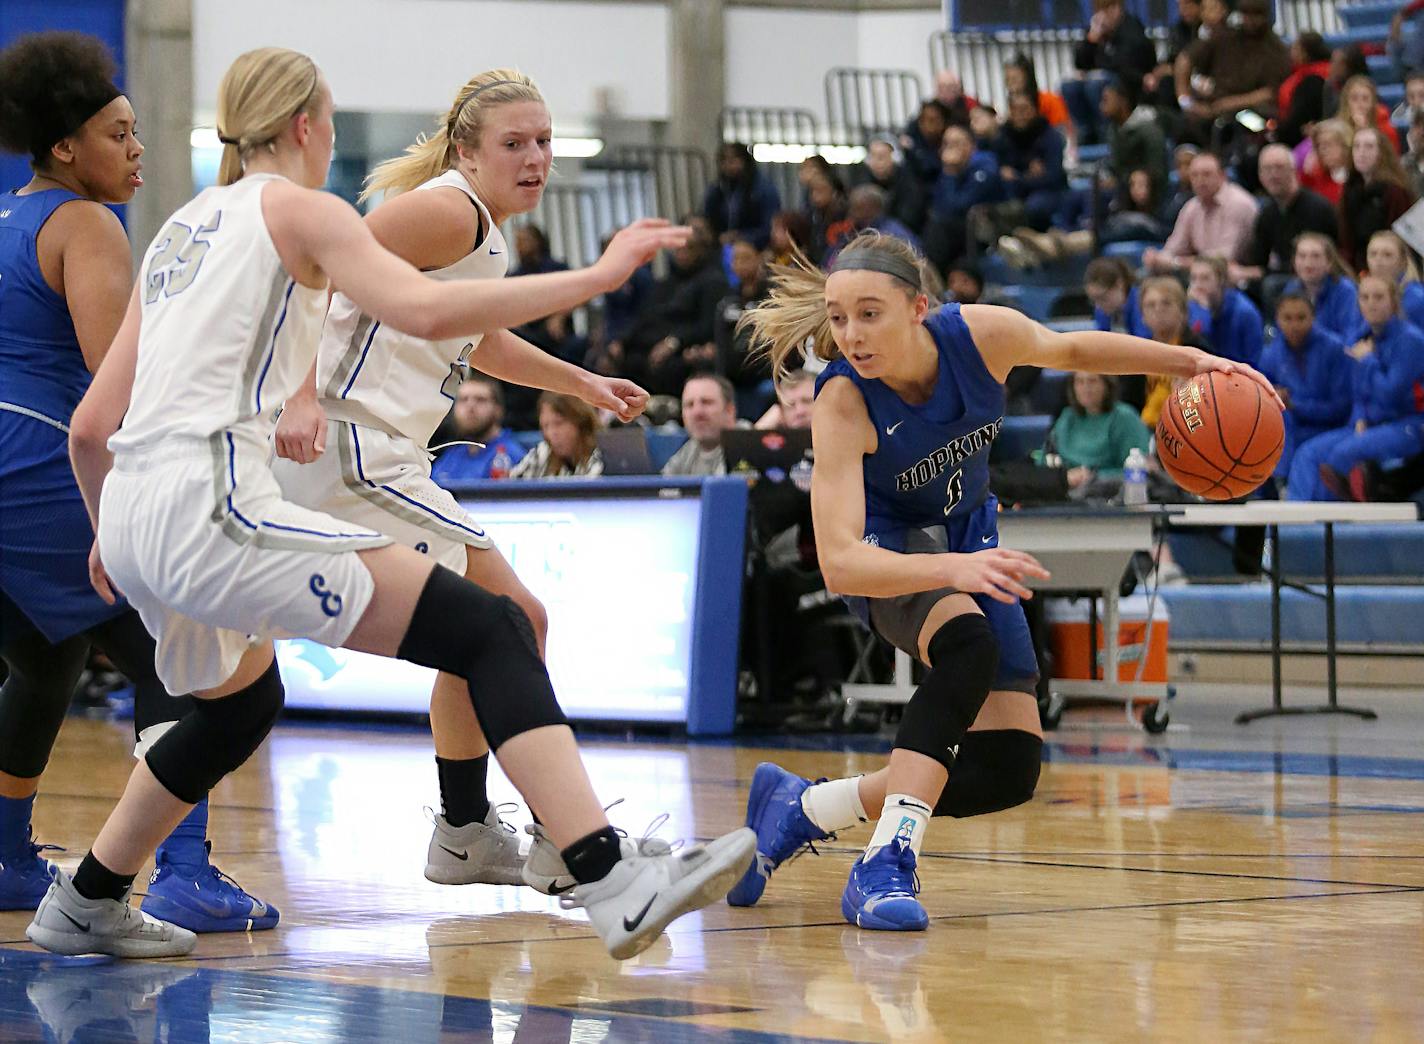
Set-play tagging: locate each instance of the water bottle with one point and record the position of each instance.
(500, 465)
(1134, 478)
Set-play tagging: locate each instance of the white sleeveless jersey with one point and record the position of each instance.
(373, 375)
(227, 334)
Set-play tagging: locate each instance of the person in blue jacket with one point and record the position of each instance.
(1310, 370)
(1112, 288)
(65, 282)
(1387, 419)
(1236, 329)
(1387, 257)
(907, 410)
(968, 178)
(743, 200)
(1321, 273)
(1030, 157)
(484, 448)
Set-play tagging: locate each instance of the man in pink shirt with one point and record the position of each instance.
(1213, 223)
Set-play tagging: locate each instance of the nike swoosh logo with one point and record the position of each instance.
(631, 925)
(987, 539)
(913, 804)
(82, 927)
(556, 890)
(462, 856)
(494, 252)
(891, 430)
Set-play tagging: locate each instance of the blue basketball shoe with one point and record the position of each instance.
(881, 891)
(205, 901)
(24, 876)
(782, 827)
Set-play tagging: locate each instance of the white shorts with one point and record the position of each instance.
(373, 479)
(198, 538)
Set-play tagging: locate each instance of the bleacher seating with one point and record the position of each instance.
(1369, 618)
(1380, 554)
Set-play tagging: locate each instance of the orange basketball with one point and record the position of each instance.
(1220, 435)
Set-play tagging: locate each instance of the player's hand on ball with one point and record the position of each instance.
(99, 577)
(1208, 363)
(996, 571)
(625, 399)
(301, 430)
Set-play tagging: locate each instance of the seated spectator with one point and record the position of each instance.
(673, 333)
(790, 232)
(1301, 99)
(622, 306)
(1094, 435)
(1323, 159)
(1238, 68)
(1214, 19)
(1158, 86)
(1388, 258)
(1214, 223)
(1116, 44)
(570, 445)
(1413, 105)
(905, 196)
(1110, 285)
(709, 407)
(479, 418)
(1376, 194)
(1182, 157)
(1323, 277)
(795, 399)
(866, 210)
(1385, 422)
(1135, 141)
(1164, 312)
(1413, 160)
(1286, 212)
(742, 201)
(1139, 216)
(984, 124)
(1345, 62)
(748, 370)
(1030, 155)
(1405, 43)
(532, 253)
(557, 335)
(826, 207)
(1310, 370)
(1361, 109)
(921, 141)
(952, 101)
(1237, 332)
(1020, 76)
(967, 179)
(965, 281)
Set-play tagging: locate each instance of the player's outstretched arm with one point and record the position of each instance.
(317, 233)
(842, 435)
(1007, 338)
(511, 358)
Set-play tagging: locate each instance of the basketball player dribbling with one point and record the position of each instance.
(171, 450)
(906, 412)
(377, 395)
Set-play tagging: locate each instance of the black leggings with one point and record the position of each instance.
(35, 697)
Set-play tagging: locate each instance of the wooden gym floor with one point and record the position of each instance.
(1222, 883)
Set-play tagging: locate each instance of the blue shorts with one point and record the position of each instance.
(899, 620)
(45, 536)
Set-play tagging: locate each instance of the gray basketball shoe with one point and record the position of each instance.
(69, 924)
(476, 853)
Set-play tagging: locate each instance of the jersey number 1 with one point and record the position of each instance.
(954, 493)
(177, 258)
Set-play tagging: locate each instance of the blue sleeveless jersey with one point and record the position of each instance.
(44, 529)
(41, 367)
(931, 465)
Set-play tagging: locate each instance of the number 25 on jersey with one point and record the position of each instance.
(177, 258)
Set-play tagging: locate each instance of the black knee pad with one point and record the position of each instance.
(35, 698)
(487, 639)
(994, 770)
(216, 737)
(964, 656)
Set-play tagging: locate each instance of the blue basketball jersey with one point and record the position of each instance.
(42, 370)
(931, 464)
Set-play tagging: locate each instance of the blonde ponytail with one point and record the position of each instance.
(434, 154)
(794, 314)
(259, 94)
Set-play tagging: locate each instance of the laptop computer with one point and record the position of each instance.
(625, 451)
(774, 454)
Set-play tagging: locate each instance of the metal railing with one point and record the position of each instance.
(861, 103)
(680, 176)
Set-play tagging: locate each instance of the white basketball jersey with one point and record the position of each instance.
(227, 334)
(371, 374)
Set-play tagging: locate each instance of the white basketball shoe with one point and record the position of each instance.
(476, 853)
(67, 923)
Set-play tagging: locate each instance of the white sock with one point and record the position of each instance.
(903, 816)
(835, 804)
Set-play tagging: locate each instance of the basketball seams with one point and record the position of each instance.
(1174, 418)
(1227, 479)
